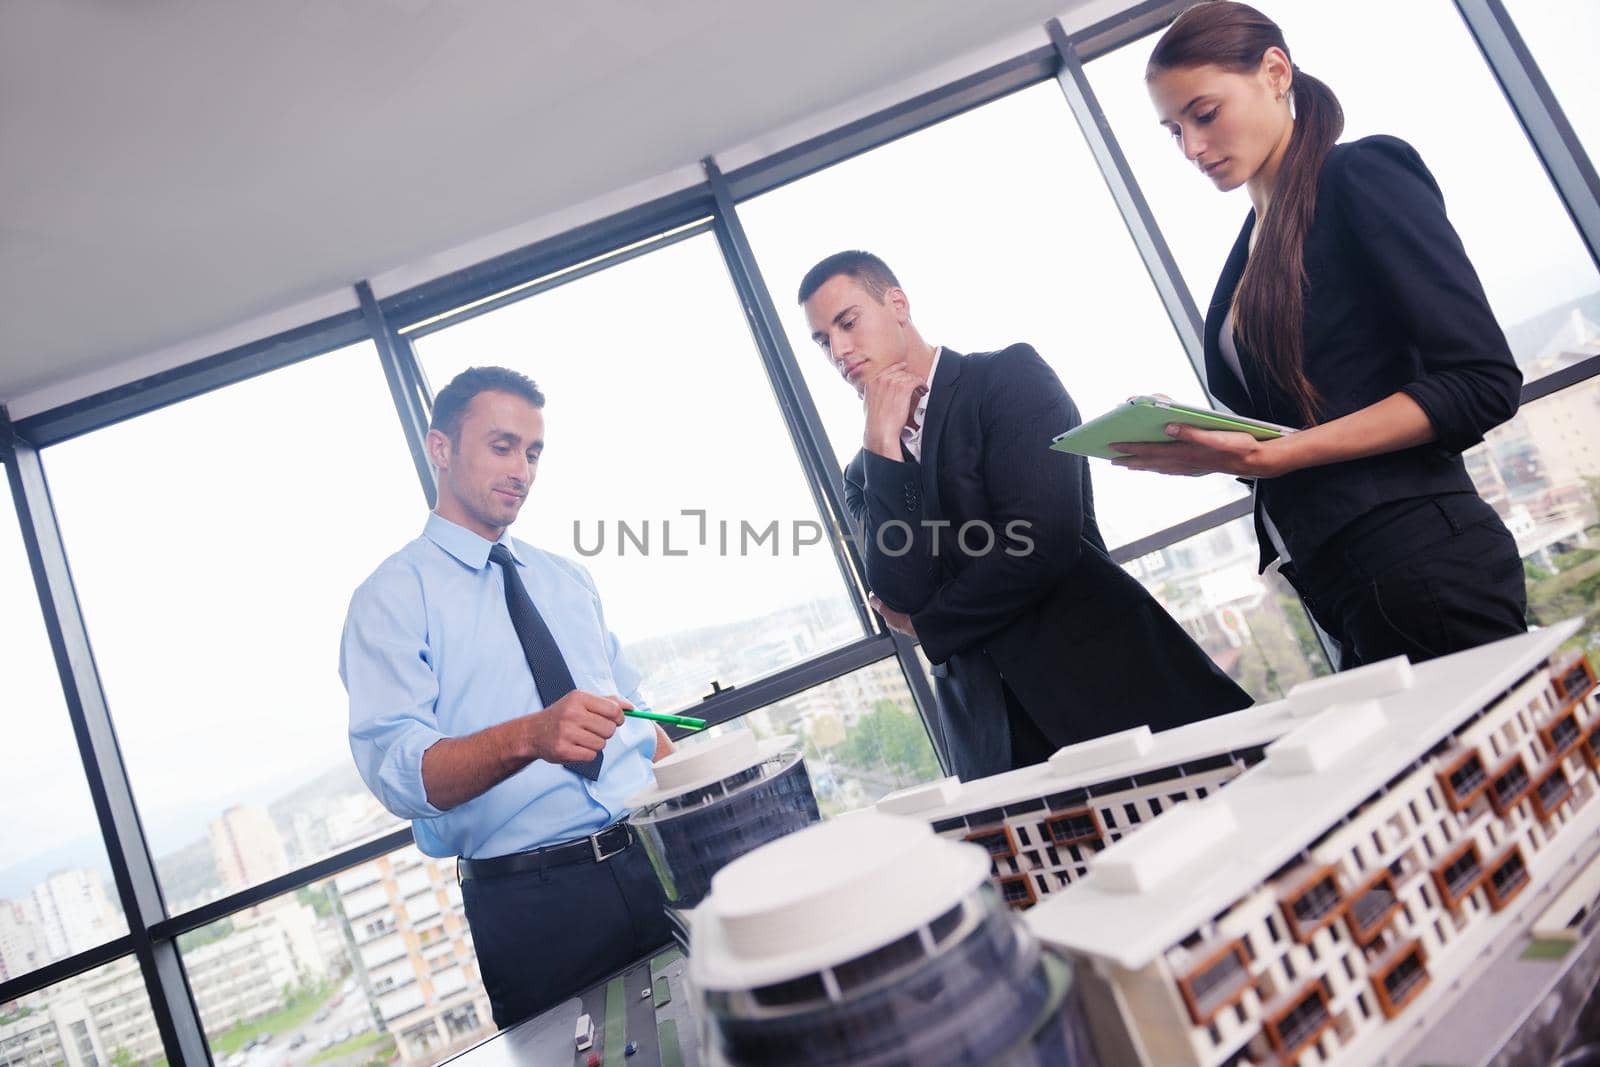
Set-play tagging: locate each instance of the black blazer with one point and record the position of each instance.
(1081, 644)
(1392, 304)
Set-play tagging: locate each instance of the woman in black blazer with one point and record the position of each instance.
(1351, 312)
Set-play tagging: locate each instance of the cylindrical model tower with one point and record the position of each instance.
(871, 941)
(714, 801)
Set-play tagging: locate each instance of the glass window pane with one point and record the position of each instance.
(667, 469)
(374, 965)
(862, 736)
(215, 545)
(1001, 229)
(56, 893)
(100, 1017)
(1521, 240)
(1541, 472)
(1562, 39)
(1252, 625)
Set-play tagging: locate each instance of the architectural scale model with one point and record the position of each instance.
(714, 800)
(1041, 825)
(871, 941)
(1334, 900)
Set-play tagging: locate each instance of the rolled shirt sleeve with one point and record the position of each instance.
(1470, 382)
(387, 672)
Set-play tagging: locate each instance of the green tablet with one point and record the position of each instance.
(1145, 418)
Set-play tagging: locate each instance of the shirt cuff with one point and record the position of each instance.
(404, 791)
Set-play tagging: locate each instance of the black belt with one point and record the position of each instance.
(596, 848)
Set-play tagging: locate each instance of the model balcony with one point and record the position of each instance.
(1302, 1020)
(996, 840)
(1508, 784)
(1551, 791)
(1074, 827)
(1574, 680)
(1312, 902)
(1218, 983)
(1372, 907)
(1462, 778)
(1459, 874)
(1562, 734)
(1401, 977)
(1508, 876)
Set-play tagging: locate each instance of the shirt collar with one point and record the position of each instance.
(463, 544)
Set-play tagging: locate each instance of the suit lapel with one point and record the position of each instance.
(1222, 383)
(939, 395)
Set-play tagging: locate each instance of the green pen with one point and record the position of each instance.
(671, 720)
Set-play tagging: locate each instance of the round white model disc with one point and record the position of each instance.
(699, 763)
(828, 894)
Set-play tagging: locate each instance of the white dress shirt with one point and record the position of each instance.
(911, 436)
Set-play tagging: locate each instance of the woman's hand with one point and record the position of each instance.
(1193, 452)
(1393, 423)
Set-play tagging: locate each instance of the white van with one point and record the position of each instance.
(584, 1035)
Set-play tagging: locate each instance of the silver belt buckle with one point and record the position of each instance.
(600, 855)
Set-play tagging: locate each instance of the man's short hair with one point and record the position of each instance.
(864, 267)
(450, 406)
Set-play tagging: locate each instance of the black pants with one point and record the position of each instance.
(1420, 578)
(547, 935)
(1028, 743)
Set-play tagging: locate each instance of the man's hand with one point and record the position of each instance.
(898, 621)
(891, 404)
(575, 728)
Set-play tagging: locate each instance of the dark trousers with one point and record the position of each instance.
(543, 936)
(1419, 578)
(1029, 745)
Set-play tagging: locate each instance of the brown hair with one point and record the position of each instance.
(1268, 305)
(864, 267)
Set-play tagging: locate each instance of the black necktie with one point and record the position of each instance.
(550, 674)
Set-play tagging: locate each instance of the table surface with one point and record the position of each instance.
(646, 1003)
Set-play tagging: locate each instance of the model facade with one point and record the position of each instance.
(1323, 907)
(1041, 825)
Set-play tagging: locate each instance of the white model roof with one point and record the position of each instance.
(1102, 760)
(827, 894)
(697, 764)
(1154, 888)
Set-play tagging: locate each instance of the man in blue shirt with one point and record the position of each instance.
(445, 649)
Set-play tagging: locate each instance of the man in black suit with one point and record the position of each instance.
(982, 543)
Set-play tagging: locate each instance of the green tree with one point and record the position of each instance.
(891, 738)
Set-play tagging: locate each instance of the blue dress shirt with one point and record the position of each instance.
(429, 652)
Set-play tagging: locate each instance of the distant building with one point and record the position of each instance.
(414, 953)
(411, 946)
(21, 949)
(246, 847)
(74, 912)
(58, 1034)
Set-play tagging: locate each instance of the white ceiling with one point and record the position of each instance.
(174, 168)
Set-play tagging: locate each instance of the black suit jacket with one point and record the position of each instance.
(1392, 304)
(1081, 644)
